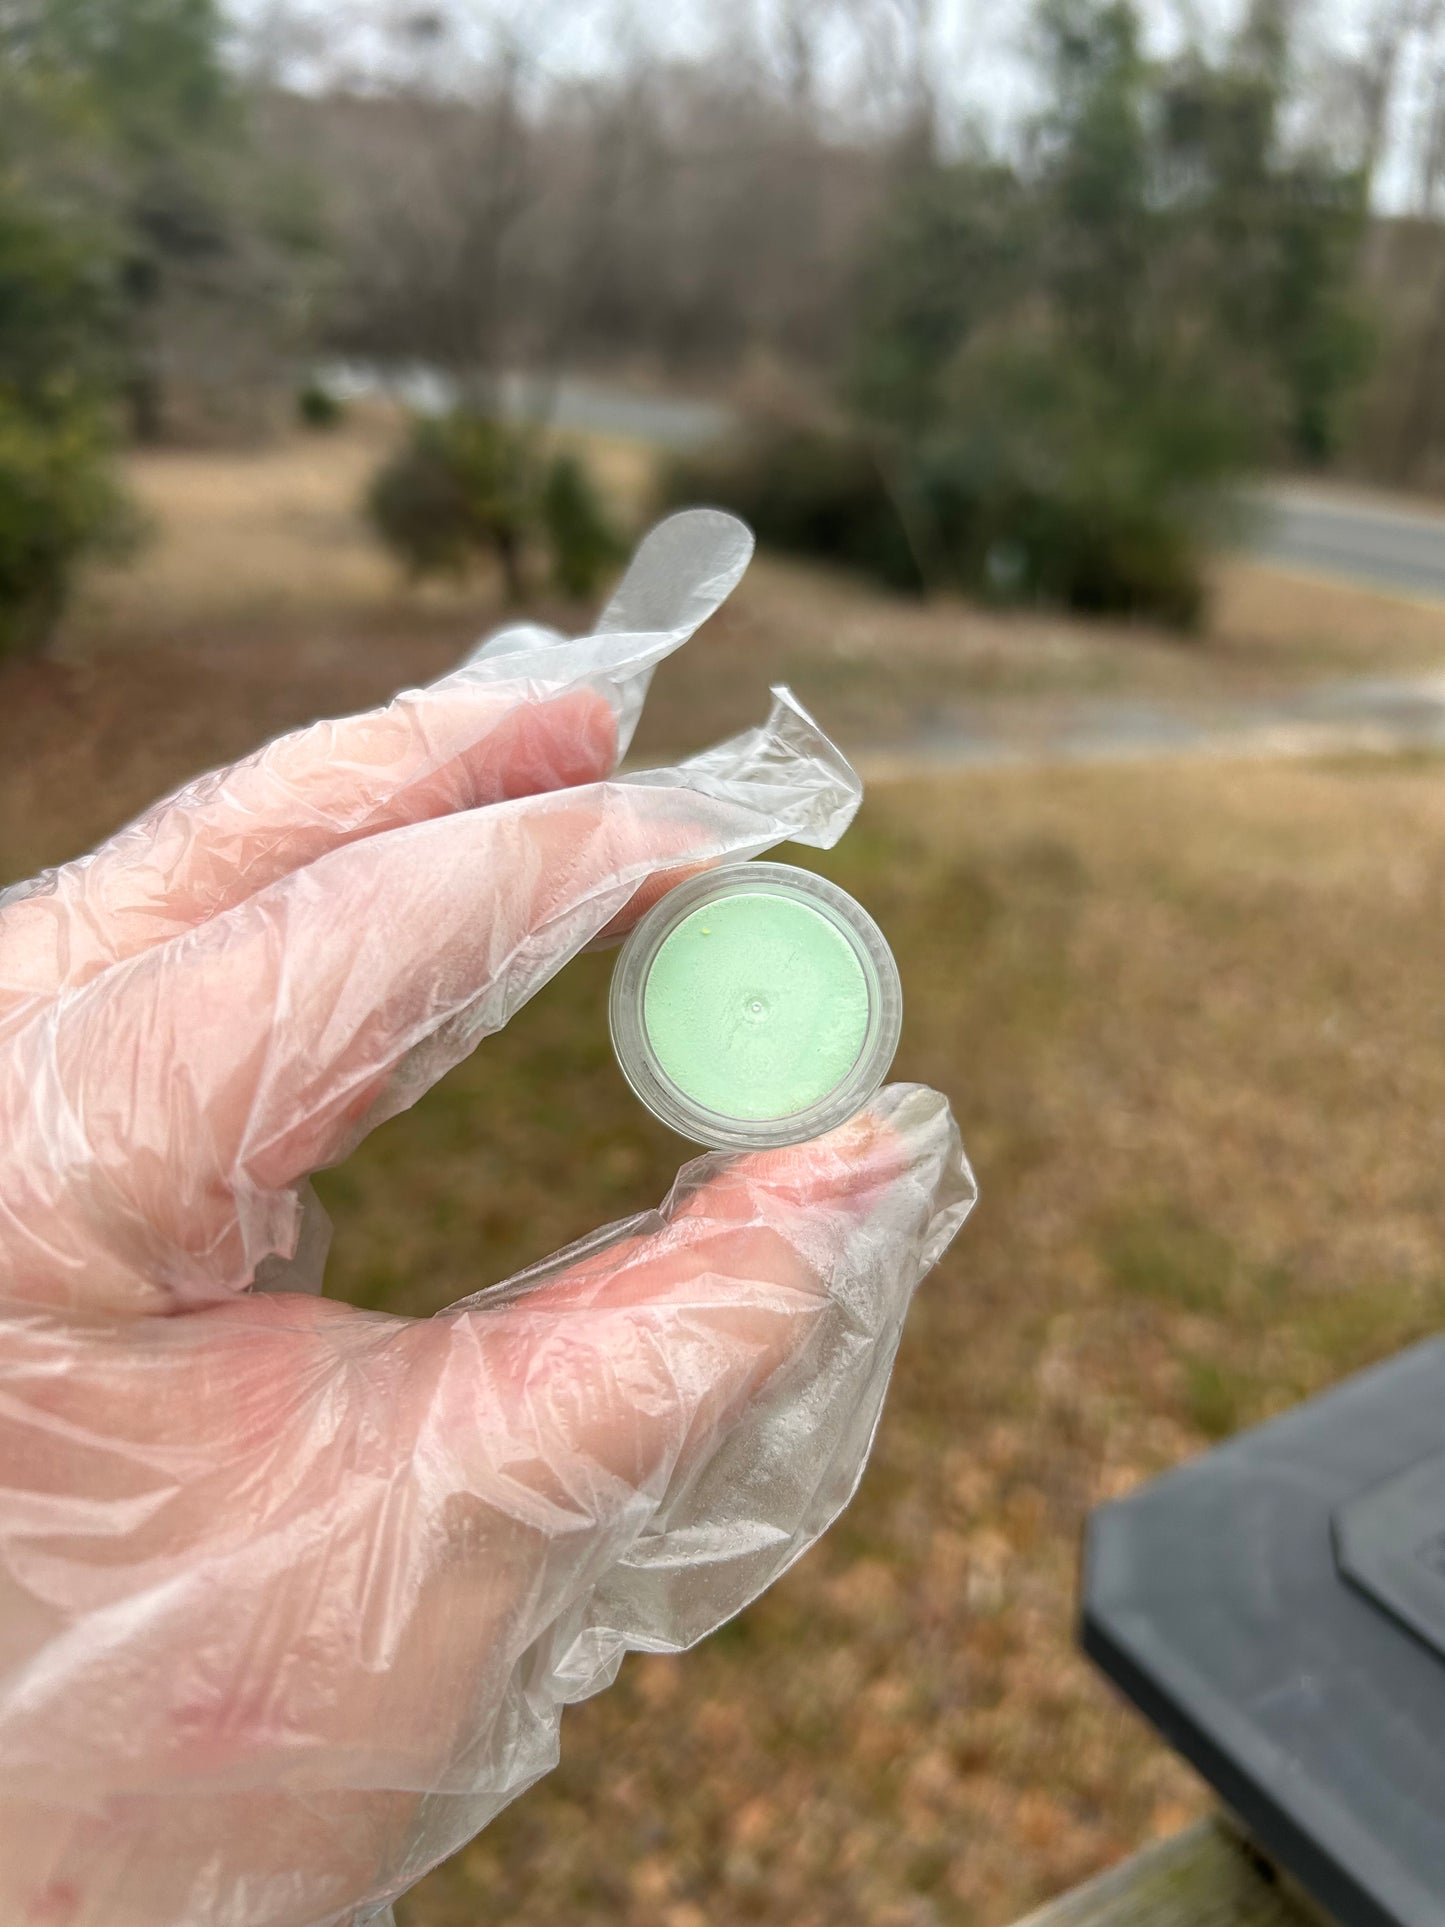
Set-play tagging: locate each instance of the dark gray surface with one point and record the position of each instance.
(569, 401)
(1393, 546)
(1390, 1542)
(1213, 1598)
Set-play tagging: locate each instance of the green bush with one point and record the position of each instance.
(811, 491)
(1029, 489)
(318, 406)
(583, 541)
(59, 498)
(456, 490)
(58, 501)
(1045, 481)
(463, 486)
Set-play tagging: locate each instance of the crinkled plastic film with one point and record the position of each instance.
(292, 1595)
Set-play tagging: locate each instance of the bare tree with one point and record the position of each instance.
(432, 178)
(1378, 77)
(918, 21)
(800, 30)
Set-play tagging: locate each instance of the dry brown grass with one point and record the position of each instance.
(1327, 627)
(1189, 1019)
(270, 542)
(250, 543)
(262, 568)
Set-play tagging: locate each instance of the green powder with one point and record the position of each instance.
(756, 1007)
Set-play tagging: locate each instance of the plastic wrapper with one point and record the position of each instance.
(292, 1595)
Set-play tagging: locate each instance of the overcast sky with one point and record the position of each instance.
(973, 32)
(979, 52)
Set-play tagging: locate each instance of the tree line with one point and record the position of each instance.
(963, 329)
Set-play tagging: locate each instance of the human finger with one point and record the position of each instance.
(528, 712)
(155, 1123)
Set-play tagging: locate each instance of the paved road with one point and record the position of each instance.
(1359, 538)
(667, 421)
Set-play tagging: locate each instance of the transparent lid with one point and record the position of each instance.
(755, 1006)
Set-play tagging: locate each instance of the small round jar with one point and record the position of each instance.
(755, 1006)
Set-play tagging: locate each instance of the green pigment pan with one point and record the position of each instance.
(755, 1006)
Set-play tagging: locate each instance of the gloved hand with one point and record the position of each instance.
(292, 1595)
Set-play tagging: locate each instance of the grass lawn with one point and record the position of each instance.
(1189, 1017)
(1190, 1023)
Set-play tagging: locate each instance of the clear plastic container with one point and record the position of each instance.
(756, 1006)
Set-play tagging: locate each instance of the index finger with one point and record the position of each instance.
(233, 832)
(530, 712)
(696, 1391)
(154, 1123)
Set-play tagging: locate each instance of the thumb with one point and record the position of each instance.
(672, 1413)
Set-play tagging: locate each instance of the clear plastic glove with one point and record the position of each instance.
(292, 1595)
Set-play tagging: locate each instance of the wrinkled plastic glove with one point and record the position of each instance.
(292, 1595)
